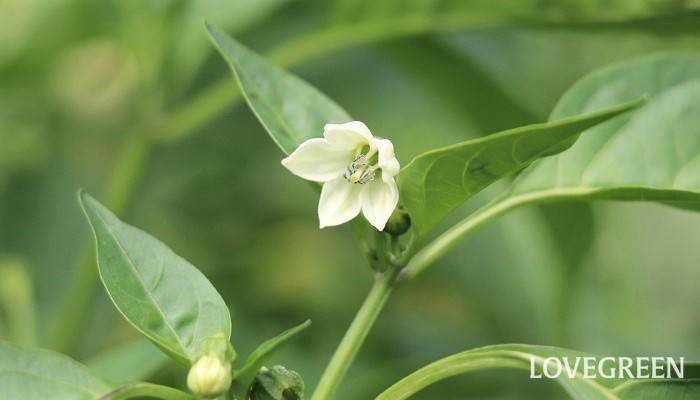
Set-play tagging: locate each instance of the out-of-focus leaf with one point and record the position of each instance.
(17, 301)
(290, 109)
(159, 293)
(189, 44)
(245, 377)
(135, 361)
(518, 356)
(27, 373)
(398, 15)
(476, 96)
(438, 181)
(652, 154)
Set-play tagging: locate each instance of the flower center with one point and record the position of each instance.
(359, 171)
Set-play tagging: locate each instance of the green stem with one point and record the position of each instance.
(142, 389)
(355, 335)
(67, 320)
(461, 363)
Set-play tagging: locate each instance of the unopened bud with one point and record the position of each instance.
(210, 375)
(277, 383)
(399, 222)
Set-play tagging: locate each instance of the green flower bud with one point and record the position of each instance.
(210, 375)
(277, 383)
(399, 222)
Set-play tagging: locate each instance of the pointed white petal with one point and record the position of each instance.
(317, 160)
(351, 135)
(387, 160)
(339, 203)
(379, 199)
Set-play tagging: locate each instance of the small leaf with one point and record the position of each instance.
(158, 292)
(521, 357)
(27, 373)
(436, 182)
(290, 109)
(653, 154)
(245, 377)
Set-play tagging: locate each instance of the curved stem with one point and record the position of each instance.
(355, 335)
(142, 389)
(446, 368)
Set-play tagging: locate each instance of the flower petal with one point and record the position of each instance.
(317, 160)
(379, 199)
(351, 135)
(387, 160)
(339, 203)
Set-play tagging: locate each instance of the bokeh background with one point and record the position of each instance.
(128, 100)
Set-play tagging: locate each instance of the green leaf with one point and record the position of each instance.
(652, 154)
(290, 109)
(521, 356)
(245, 377)
(159, 293)
(435, 183)
(28, 373)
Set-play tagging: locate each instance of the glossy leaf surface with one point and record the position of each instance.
(437, 182)
(290, 109)
(651, 154)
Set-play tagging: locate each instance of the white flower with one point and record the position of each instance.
(209, 376)
(357, 171)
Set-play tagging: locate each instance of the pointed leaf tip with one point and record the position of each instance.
(162, 295)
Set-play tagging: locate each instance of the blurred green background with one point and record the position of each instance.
(128, 100)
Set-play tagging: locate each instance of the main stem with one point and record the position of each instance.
(356, 334)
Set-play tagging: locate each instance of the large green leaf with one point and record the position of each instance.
(437, 182)
(244, 379)
(652, 154)
(157, 291)
(523, 356)
(290, 109)
(27, 373)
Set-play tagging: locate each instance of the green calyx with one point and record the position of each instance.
(399, 222)
(277, 383)
(218, 346)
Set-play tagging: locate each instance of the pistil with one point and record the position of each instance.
(359, 171)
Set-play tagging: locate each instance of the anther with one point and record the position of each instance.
(359, 171)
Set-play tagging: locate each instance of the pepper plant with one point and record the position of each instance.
(627, 132)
